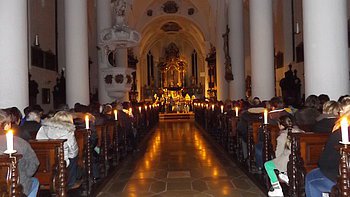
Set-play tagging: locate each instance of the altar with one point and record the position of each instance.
(174, 93)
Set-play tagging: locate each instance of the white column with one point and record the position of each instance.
(104, 20)
(261, 46)
(326, 47)
(13, 54)
(236, 45)
(76, 34)
(222, 86)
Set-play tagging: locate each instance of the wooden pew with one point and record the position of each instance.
(112, 145)
(9, 183)
(85, 156)
(306, 149)
(52, 169)
(341, 188)
(253, 130)
(100, 131)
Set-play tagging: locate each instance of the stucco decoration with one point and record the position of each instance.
(170, 7)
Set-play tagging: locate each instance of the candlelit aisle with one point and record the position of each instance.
(179, 162)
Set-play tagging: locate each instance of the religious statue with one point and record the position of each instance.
(119, 7)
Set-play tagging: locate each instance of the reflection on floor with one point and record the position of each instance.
(179, 162)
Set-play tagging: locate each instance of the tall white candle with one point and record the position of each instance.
(344, 130)
(146, 107)
(222, 109)
(236, 109)
(9, 140)
(212, 107)
(87, 123)
(265, 116)
(140, 109)
(297, 30)
(115, 114)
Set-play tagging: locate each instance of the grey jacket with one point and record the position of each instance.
(27, 165)
(60, 130)
(283, 150)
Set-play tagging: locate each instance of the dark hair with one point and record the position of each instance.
(286, 121)
(312, 101)
(4, 119)
(14, 114)
(277, 102)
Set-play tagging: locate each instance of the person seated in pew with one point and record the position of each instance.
(326, 121)
(282, 156)
(308, 114)
(248, 113)
(29, 162)
(61, 127)
(277, 110)
(31, 126)
(79, 122)
(15, 116)
(322, 179)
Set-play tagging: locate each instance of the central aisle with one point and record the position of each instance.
(179, 162)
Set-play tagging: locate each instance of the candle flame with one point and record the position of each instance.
(10, 132)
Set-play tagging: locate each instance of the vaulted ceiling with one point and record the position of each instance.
(196, 19)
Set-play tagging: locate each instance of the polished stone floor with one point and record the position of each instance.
(178, 161)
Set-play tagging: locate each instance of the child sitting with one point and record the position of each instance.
(282, 156)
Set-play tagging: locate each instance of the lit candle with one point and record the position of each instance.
(236, 109)
(344, 130)
(115, 115)
(87, 126)
(212, 107)
(265, 116)
(207, 106)
(140, 109)
(222, 109)
(9, 140)
(130, 111)
(146, 107)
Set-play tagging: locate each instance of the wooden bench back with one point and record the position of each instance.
(81, 137)
(52, 169)
(9, 181)
(311, 147)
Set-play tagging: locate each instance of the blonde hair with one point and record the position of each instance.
(344, 113)
(331, 107)
(63, 116)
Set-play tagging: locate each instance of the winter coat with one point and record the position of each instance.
(51, 129)
(283, 150)
(27, 165)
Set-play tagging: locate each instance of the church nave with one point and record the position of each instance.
(179, 161)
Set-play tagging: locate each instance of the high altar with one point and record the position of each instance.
(173, 92)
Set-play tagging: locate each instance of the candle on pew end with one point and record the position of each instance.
(236, 109)
(344, 130)
(222, 109)
(130, 111)
(87, 123)
(265, 116)
(115, 115)
(212, 107)
(9, 141)
(146, 107)
(140, 109)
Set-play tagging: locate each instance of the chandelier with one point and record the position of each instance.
(119, 35)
